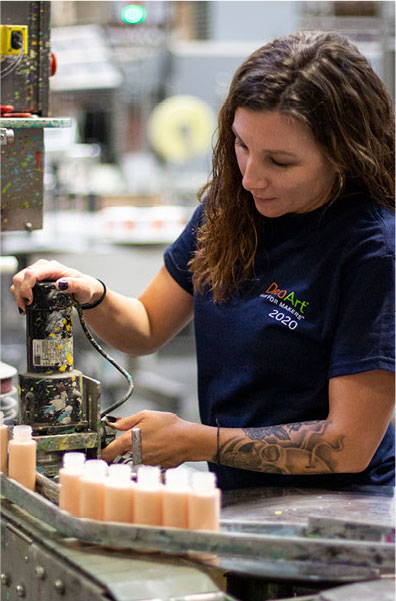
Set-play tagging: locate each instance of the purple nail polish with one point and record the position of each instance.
(63, 285)
(21, 312)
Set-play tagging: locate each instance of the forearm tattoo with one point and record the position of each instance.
(300, 448)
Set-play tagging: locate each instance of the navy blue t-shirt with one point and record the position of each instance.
(320, 305)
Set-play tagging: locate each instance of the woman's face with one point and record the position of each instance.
(281, 164)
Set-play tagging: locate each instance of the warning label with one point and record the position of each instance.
(52, 352)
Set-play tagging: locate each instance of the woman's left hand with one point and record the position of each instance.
(167, 440)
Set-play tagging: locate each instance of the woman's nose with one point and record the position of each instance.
(254, 176)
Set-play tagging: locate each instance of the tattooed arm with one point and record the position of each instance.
(360, 407)
(300, 448)
(360, 411)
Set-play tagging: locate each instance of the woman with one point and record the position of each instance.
(286, 267)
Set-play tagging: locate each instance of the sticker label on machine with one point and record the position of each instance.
(52, 352)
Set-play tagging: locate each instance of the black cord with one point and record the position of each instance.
(97, 346)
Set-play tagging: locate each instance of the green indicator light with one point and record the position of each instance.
(133, 14)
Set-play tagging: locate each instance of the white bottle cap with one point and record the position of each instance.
(95, 468)
(22, 433)
(177, 479)
(203, 482)
(1, 418)
(149, 476)
(73, 459)
(119, 472)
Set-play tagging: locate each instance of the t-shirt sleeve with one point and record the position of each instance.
(364, 336)
(179, 253)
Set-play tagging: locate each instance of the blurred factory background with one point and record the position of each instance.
(142, 83)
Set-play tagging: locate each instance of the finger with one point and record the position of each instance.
(22, 284)
(24, 280)
(119, 446)
(78, 287)
(126, 423)
(83, 288)
(13, 291)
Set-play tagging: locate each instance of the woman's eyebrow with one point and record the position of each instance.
(274, 151)
(234, 131)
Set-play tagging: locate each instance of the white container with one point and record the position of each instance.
(204, 502)
(148, 496)
(22, 457)
(119, 494)
(92, 487)
(69, 480)
(3, 445)
(175, 498)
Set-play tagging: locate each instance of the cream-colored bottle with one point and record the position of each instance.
(119, 494)
(22, 456)
(69, 480)
(175, 498)
(148, 497)
(92, 486)
(4, 437)
(204, 502)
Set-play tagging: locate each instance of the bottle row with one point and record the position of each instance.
(92, 489)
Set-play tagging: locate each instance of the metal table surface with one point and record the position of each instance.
(316, 537)
(370, 504)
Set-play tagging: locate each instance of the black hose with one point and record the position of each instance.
(97, 346)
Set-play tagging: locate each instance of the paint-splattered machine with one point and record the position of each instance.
(59, 402)
(26, 65)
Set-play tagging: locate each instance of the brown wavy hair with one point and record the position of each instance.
(322, 80)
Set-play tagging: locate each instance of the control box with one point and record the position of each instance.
(13, 40)
(25, 56)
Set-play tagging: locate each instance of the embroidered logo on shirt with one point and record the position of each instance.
(283, 294)
(288, 301)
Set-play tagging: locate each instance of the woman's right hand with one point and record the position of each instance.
(84, 288)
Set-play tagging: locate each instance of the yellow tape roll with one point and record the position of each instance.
(181, 127)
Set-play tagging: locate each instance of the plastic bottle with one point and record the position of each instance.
(175, 498)
(204, 502)
(92, 486)
(22, 456)
(148, 497)
(69, 480)
(119, 494)
(3, 445)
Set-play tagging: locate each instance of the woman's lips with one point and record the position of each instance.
(260, 199)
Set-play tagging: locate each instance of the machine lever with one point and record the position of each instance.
(136, 440)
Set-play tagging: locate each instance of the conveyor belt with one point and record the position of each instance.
(265, 549)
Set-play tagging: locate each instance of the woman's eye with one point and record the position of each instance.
(239, 143)
(278, 164)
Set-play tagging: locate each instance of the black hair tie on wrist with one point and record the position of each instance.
(97, 302)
